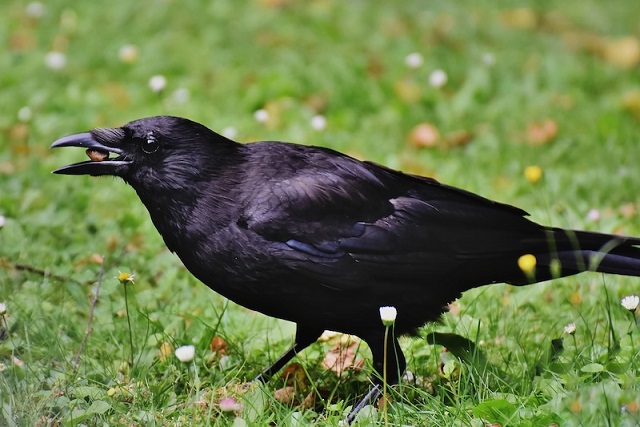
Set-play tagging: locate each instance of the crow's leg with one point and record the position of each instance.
(305, 336)
(370, 398)
(395, 368)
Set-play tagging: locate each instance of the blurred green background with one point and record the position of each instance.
(472, 93)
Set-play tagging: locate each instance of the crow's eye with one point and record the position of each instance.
(150, 145)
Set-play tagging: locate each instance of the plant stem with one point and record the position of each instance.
(384, 377)
(126, 306)
(94, 302)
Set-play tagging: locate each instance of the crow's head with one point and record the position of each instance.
(157, 151)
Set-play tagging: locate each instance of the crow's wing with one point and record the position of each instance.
(346, 224)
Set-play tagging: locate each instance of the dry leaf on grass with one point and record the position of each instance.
(575, 298)
(631, 102)
(424, 135)
(295, 375)
(541, 133)
(342, 357)
(628, 210)
(309, 401)
(18, 362)
(218, 345)
(288, 396)
(297, 382)
(522, 18)
(408, 90)
(458, 138)
(623, 52)
(97, 259)
(166, 350)
(427, 135)
(632, 407)
(285, 394)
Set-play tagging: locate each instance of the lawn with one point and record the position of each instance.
(533, 105)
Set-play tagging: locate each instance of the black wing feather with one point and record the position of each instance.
(346, 223)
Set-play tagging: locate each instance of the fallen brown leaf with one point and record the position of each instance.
(317, 102)
(556, 21)
(45, 421)
(628, 210)
(342, 357)
(575, 298)
(112, 243)
(276, 109)
(522, 18)
(584, 41)
(7, 168)
(285, 394)
(575, 406)
(295, 375)
(136, 242)
(542, 132)
(382, 402)
(309, 401)
(631, 102)
(218, 345)
(623, 52)
(97, 259)
(375, 67)
(166, 350)
(457, 138)
(632, 407)
(19, 133)
(22, 41)
(424, 135)
(408, 90)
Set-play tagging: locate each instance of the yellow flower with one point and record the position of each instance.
(527, 263)
(165, 350)
(533, 173)
(125, 277)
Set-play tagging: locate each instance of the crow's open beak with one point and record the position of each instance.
(100, 163)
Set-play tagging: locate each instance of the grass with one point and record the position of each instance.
(345, 60)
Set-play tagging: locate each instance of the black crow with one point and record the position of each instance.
(313, 236)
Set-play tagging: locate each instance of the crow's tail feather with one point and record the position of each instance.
(571, 252)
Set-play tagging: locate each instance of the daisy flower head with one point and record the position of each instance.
(630, 302)
(186, 353)
(570, 328)
(388, 315)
